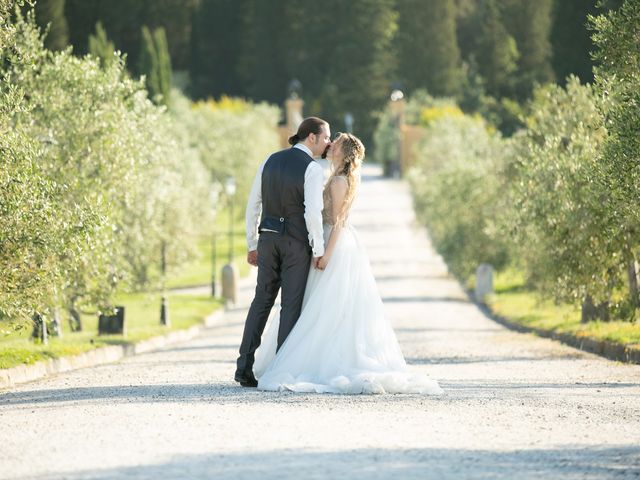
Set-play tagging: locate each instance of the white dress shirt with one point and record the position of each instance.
(313, 184)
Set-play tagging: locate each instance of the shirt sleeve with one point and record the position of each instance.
(313, 183)
(254, 210)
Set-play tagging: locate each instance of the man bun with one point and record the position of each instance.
(308, 126)
(293, 139)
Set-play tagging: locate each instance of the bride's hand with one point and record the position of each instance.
(322, 263)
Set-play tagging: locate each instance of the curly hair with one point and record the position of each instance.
(354, 151)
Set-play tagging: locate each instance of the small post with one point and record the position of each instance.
(484, 282)
(164, 309)
(214, 194)
(213, 263)
(229, 273)
(164, 312)
(39, 332)
(229, 283)
(112, 323)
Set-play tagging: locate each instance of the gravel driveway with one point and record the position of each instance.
(516, 406)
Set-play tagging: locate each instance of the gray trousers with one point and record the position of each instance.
(283, 262)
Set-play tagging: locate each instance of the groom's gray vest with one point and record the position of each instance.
(283, 194)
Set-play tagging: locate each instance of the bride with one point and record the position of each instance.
(342, 342)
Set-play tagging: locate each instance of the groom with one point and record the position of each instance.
(287, 198)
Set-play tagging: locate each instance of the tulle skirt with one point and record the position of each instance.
(342, 341)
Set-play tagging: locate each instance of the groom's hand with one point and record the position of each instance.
(316, 262)
(252, 258)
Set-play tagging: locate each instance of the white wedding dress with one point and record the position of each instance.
(342, 342)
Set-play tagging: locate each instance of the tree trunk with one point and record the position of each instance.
(75, 321)
(633, 283)
(591, 312)
(56, 324)
(39, 333)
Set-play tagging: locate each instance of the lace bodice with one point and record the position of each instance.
(327, 211)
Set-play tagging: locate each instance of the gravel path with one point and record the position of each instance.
(516, 406)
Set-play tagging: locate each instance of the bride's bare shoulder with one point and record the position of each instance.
(340, 179)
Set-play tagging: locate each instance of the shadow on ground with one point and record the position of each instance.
(568, 463)
(231, 393)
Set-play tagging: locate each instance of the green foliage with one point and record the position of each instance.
(101, 47)
(386, 140)
(155, 65)
(123, 19)
(558, 197)
(427, 48)
(618, 83)
(96, 181)
(618, 80)
(347, 71)
(50, 16)
(432, 114)
(571, 40)
(458, 191)
(233, 138)
(530, 25)
(497, 51)
(216, 47)
(164, 63)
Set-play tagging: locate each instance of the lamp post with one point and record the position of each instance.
(164, 306)
(229, 274)
(230, 189)
(397, 110)
(214, 194)
(348, 122)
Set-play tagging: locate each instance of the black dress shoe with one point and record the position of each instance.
(246, 379)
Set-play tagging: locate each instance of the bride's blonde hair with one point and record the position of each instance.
(353, 150)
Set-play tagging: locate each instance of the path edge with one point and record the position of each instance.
(610, 350)
(11, 377)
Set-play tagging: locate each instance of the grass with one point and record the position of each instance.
(199, 270)
(524, 307)
(142, 321)
(142, 310)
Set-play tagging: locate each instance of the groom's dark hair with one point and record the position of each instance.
(308, 126)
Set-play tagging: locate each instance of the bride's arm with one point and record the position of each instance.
(338, 191)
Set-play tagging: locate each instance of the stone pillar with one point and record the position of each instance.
(230, 283)
(293, 117)
(293, 108)
(396, 107)
(484, 281)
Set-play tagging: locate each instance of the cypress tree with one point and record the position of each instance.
(100, 46)
(356, 62)
(123, 20)
(265, 46)
(148, 64)
(216, 47)
(530, 25)
(571, 40)
(496, 52)
(163, 64)
(427, 47)
(51, 13)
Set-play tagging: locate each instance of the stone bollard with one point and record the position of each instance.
(484, 281)
(230, 283)
(112, 323)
